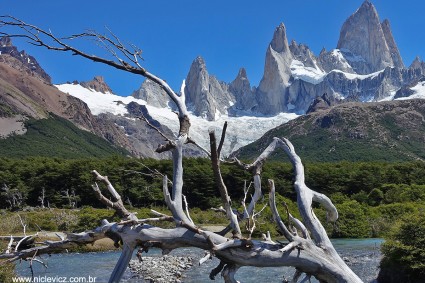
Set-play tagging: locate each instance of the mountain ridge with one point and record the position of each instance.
(377, 131)
(294, 76)
(295, 80)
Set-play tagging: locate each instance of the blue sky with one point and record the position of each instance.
(228, 34)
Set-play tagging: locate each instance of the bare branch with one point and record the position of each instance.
(170, 143)
(207, 256)
(223, 135)
(281, 226)
(48, 247)
(191, 141)
(39, 37)
(289, 247)
(229, 272)
(225, 198)
(217, 270)
(24, 226)
(297, 223)
(305, 196)
(23, 240)
(297, 276)
(9, 246)
(186, 206)
(219, 209)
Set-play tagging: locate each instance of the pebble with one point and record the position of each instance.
(165, 269)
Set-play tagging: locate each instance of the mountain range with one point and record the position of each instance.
(356, 70)
(295, 83)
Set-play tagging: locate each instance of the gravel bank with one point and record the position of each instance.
(164, 269)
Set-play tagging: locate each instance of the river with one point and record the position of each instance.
(363, 255)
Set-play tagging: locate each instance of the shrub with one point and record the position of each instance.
(352, 221)
(404, 252)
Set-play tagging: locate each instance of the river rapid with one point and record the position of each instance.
(362, 255)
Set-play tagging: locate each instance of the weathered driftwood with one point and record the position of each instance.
(309, 249)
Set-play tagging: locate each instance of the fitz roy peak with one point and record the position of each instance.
(365, 66)
(375, 53)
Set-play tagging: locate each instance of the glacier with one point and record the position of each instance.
(241, 130)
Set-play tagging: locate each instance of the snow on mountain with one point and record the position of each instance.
(240, 131)
(308, 74)
(340, 57)
(418, 92)
(351, 76)
(98, 102)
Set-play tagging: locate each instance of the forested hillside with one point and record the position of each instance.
(369, 196)
(385, 131)
(57, 137)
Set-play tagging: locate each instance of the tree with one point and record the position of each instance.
(308, 247)
(13, 197)
(404, 252)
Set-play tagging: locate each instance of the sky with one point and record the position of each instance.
(227, 34)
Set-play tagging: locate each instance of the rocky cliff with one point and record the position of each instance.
(206, 96)
(270, 94)
(363, 42)
(97, 84)
(152, 94)
(24, 62)
(241, 89)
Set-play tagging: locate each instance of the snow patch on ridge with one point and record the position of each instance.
(351, 76)
(419, 92)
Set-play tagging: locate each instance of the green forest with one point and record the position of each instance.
(370, 196)
(56, 137)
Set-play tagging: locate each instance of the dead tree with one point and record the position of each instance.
(42, 197)
(13, 197)
(308, 250)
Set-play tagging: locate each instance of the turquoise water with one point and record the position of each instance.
(364, 256)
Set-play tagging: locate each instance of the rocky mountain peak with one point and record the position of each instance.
(240, 86)
(302, 53)
(395, 53)
(152, 93)
(5, 41)
(205, 95)
(242, 74)
(199, 61)
(364, 42)
(97, 84)
(24, 62)
(279, 42)
(277, 73)
(416, 64)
